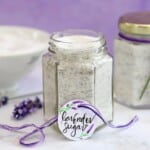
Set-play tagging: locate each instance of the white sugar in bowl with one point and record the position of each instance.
(20, 50)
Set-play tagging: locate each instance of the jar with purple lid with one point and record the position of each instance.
(132, 60)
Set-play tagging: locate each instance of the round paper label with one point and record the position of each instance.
(75, 121)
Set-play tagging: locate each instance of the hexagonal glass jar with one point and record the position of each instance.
(77, 66)
(132, 60)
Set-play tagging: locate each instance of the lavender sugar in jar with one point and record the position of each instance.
(77, 66)
(132, 60)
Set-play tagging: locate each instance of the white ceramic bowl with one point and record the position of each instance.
(20, 49)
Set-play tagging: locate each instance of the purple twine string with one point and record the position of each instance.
(37, 129)
(53, 120)
(133, 39)
(98, 114)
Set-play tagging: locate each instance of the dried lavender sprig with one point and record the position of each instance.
(3, 100)
(145, 87)
(26, 107)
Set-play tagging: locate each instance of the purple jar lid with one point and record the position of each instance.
(136, 18)
(135, 23)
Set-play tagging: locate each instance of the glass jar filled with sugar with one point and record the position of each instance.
(77, 66)
(132, 60)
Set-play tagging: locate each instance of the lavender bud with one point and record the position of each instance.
(26, 107)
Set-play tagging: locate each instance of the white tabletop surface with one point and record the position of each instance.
(137, 137)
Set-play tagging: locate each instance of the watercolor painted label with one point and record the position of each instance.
(76, 123)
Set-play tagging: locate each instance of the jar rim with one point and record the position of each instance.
(95, 36)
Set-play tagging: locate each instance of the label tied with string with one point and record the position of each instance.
(76, 123)
(77, 120)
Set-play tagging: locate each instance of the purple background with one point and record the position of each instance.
(55, 15)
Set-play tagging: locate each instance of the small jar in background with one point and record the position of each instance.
(77, 66)
(132, 60)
